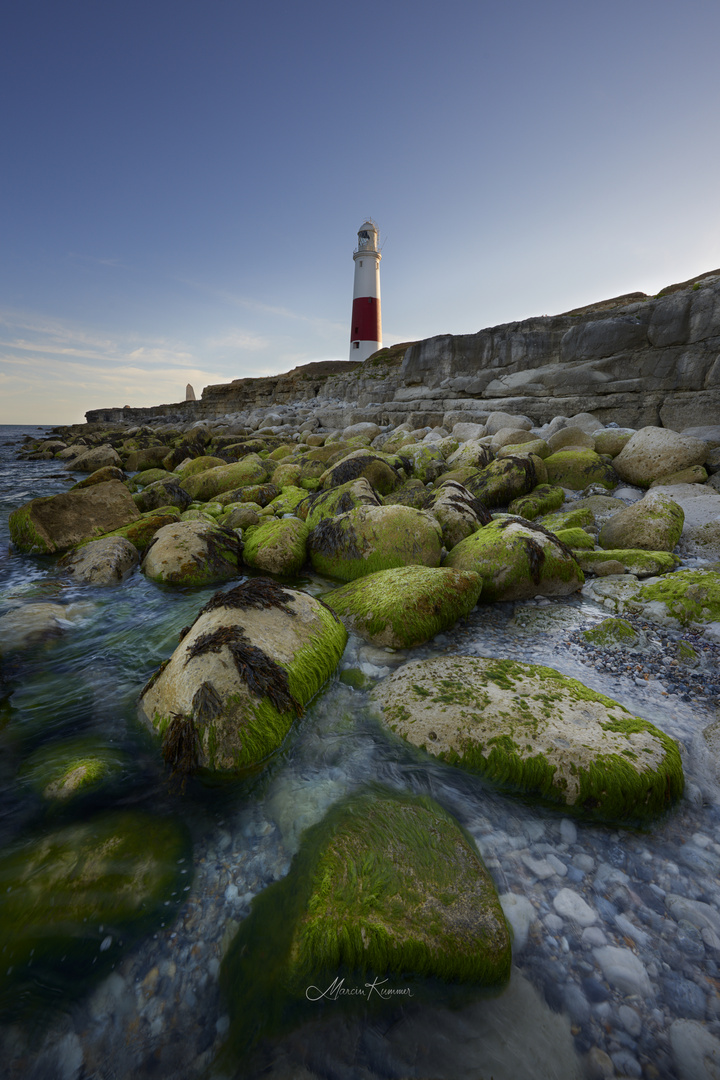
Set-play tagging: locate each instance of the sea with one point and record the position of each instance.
(616, 957)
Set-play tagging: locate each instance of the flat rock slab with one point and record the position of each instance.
(535, 731)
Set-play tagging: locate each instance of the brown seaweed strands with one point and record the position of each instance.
(535, 527)
(181, 748)
(260, 592)
(329, 537)
(262, 675)
(206, 703)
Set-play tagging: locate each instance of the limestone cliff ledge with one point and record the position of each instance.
(634, 359)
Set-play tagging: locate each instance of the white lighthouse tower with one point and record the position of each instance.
(366, 325)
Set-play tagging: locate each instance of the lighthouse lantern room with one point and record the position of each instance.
(366, 325)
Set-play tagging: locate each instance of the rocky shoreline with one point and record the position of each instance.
(417, 542)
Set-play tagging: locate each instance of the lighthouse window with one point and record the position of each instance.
(356, 344)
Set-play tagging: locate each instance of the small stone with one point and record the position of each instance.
(541, 868)
(571, 905)
(598, 1064)
(696, 1052)
(623, 970)
(520, 913)
(593, 936)
(568, 831)
(630, 1020)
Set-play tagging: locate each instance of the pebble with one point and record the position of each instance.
(623, 970)
(571, 905)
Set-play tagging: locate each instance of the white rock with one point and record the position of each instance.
(593, 936)
(696, 1052)
(701, 528)
(623, 970)
(571, 905)
(463, 432)
(541, 868)
(568, 831)
(520, 913)
(497, 420)
(630, 1020)
(701, 915)
(654, 452)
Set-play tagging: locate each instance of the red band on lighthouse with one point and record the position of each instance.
(365, 325)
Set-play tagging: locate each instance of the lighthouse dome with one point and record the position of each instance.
(368, 236)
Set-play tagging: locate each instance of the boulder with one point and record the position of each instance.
(100, 476)
(612, 634)
(278, 546)
(472, 454)
(165, 492)
(141, 532)
(60, 522)
(364, 429)
(192, 553)
(59, 772)
(206, 485)
(457, 511)
(695, 474)
(406, 606)
(538, 447)
(577, 469)
(689, 596)
(239, 516)
(107, 561)
(153, 476)
(537, 732)
(652, 524)
(541, 500)
(389, 889)
(195, 466)
(700, 506)
(655, 452)
(96, 458)
(249, 664)
(372, 538)
(570, 436)
(465, 431)
(576, 518)
(640, 562)
(576, 539)
(503, 480)
(86, 890)
(612, 440)
(338, 500)
(428, 462)
(497, 420)
(151, 457)
(517, 560)
(379, 469)
(511, 435)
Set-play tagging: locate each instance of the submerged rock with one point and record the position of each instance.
(539, 733)
(387, 886)
(517, 560)
(107, 561)
(405, 606)
(73, 899)
(61, 771)
(249, 664)
(28, 625)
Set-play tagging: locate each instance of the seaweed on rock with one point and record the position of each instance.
(264, 677)
(261, 593)
(181, 748)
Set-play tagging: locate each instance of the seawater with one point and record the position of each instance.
(159, 1012)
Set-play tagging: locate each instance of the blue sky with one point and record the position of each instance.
(182, 182)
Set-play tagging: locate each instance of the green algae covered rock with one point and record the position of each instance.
(288, 500)
(198, 465)
(165, 492)
(503, 480)
(379, 469)
(611, 633)
(405, 606)
(412, 493)
(428, 462)
(690, 596)
(372, 538)
(192, 553)
(537, 732)
(252, 660)
(576, 518)
(63, 771)
(655, 523)
(577, 469)
(576, 539)
(206, 485)
(72, 900)
(152, 476)
(278, 546)
(388, 888)
(471, 454)
(457, 511)
(636, 560)
(340, 499)
(517, 560)
(541, 500)
(141, 532)
(57, 523)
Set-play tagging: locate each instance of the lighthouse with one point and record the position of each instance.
(366, 326)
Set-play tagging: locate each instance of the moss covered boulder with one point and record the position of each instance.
(152, 476)
(654, 523)
(457, 511)
(72, 901)
(192, 553)
(141, 532)
(165, 492)
(541, 500)
(278, 546)
(498, 483)
(206, 485)
(575, 539)
(690, 596)
(339, 500)
(380, 470)
(634, 560)
(576, 518)
(69, 769)
(387, 888)
(472, 454)
(60, 522)
(288, 500)
(247, 667)
(537, 732)
(198, 465)
(577, 469)
(372, 538)
(412, 493)
(428, 462)
(517, 560)
(405, 606)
